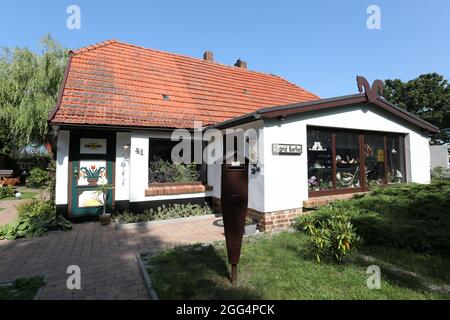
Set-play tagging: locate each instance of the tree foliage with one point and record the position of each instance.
(29, 85)
(427, 96)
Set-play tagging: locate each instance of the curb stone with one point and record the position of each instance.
(148, 282)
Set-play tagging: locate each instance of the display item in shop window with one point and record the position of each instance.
(317, 146)
(318, 165)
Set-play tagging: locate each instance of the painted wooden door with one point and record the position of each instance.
(91, 163)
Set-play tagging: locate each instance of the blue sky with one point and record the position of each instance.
(319, 45)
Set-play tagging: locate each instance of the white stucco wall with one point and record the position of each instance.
(122, 178)
(285, 179)
(62, 167)
(255, 181)
(138, 180)
(138, 166)
(282, 181)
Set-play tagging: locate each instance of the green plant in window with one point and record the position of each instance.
(161, 171)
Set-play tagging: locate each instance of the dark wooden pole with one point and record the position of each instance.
(234, 274)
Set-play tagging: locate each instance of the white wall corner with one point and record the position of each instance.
(138, 166)
(62, 167)
(122, 178)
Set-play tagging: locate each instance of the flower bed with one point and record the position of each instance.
(164, 212)
(35, 219)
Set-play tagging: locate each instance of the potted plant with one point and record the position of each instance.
(104, 218)
(250, 226)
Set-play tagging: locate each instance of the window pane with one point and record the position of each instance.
(374, 153)
(395, 159)
(320, 165)
(347, 160)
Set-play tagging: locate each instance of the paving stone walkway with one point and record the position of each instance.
(105, 255)
(9, 211)
(8, 208)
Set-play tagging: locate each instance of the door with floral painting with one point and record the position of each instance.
(91, 165)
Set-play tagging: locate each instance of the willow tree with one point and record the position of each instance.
(29, 85)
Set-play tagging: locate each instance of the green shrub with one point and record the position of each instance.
(413, 216)
(331, 237)
(34, 219)
(6, 192)
(165, 212)
(439, 173)
(38, 178)
(51, 185)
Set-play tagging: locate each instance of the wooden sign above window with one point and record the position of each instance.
(92, 146)
(286, 149)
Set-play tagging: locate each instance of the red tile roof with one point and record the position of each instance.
(114, 83)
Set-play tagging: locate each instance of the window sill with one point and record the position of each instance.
(159, 189)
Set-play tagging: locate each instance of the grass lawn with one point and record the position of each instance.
(21, 289)
(272, 267)
(434, 267)
(2, 209)
(25, 195)
(407, 226)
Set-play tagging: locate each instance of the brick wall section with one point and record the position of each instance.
(274, 220)
(176, 188)
(267, 221)
(316, 202)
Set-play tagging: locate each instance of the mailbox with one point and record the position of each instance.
(234, 210)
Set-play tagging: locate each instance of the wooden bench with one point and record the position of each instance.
(6, 173)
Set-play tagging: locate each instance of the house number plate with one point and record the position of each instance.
(289, 149)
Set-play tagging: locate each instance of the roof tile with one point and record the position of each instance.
(114, 83)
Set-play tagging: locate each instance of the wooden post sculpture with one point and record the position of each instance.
(234, 210)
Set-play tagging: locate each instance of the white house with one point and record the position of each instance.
(120, 104)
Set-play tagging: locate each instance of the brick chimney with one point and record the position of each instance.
(208, 56)
(241, 64)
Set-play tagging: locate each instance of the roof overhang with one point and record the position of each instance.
(325, 104)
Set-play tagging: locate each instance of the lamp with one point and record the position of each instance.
(125, 148)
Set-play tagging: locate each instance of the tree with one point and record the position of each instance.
(427, 96)
(29, 85)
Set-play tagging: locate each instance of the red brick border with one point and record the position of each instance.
(268, 221)
(276, 220)
(158, 189)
